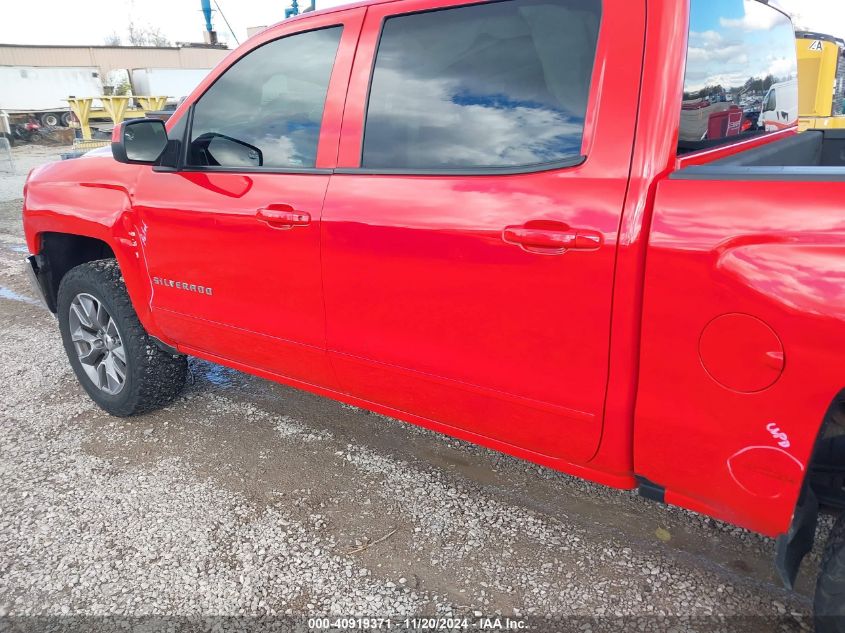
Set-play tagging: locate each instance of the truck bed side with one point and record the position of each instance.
(743, 331)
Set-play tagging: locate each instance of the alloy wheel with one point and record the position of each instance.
(98, 343)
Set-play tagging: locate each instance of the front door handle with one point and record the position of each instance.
(283, 216)
(552, 238)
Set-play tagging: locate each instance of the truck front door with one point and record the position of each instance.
(232, 239)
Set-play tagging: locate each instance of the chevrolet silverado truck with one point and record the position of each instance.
(496, 220)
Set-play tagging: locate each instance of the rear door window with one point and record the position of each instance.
(738, 51)
(500, 84)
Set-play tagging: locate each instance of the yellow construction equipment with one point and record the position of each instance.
(82, 109)
(821, 81)
(114, 108)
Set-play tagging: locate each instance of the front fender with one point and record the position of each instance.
(91, 197)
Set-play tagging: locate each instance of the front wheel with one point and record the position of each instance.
(830, 588)
(113, 357)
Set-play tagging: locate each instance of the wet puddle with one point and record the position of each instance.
(8, 293)
(215, 374)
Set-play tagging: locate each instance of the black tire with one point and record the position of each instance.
(152, 377)
(50, 119)
(829, 604)
(67, 119)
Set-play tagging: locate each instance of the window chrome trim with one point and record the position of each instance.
(575, 161)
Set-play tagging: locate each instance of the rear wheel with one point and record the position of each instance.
(830, 588)
(49, 119)
(115, 360)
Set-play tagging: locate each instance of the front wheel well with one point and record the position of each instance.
(59, 253)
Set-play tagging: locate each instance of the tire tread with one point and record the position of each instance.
(157, 376)
(829, 602)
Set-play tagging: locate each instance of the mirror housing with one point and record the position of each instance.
(139, 141)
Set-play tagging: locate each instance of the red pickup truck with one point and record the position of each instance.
(496, 220)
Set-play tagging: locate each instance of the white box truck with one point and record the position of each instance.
(40, 92)
(174, 83)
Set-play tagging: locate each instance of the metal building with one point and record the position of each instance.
(109, 58)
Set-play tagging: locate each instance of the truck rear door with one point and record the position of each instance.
(469, 232)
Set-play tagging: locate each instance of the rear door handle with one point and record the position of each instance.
(283, 216)
(548, 240)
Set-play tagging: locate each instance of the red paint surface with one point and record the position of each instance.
(430, 298)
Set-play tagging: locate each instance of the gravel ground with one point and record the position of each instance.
(248, 498)
(24, 158)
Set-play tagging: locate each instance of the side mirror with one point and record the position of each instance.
(139, 141)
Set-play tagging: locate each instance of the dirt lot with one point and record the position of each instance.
(248, 498)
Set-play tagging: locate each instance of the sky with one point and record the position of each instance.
(181, 20)
(731, 42)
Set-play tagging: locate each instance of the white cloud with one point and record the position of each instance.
(781, 67)
(711, 38)
(758, 17)
(735, 54)
(711, 46)
(823, 16)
